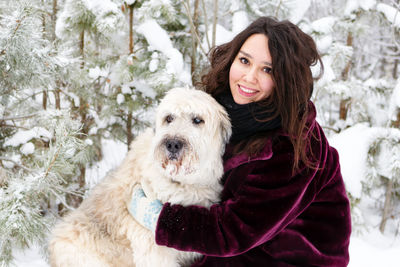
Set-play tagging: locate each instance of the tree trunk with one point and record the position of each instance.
(387, 206)
(75, 200)
(344, 103)
(396, 123)
(57, 97)
(131, 29)
(346, 70)
(215, 21)
(44, 98)
(54, 19)
(129, 135)
(193, 65)
(344, 107)
(82, 47)
(53, 35)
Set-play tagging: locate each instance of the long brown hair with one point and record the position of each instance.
(293, 52)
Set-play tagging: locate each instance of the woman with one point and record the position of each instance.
(284, 201)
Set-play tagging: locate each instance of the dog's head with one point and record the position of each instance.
(191, 132)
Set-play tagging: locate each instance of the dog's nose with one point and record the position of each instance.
(174, 145)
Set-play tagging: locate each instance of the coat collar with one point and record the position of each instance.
(237, 160)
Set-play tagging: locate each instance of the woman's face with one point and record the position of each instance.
(250, 77)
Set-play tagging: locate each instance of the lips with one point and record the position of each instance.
(247, 92)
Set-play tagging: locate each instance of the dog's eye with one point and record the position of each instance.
(169, 119)
(197, 120)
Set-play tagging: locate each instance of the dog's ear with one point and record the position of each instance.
(226, 128)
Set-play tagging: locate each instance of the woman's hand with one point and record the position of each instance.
(144, 210)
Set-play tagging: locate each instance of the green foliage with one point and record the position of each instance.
(25, 193)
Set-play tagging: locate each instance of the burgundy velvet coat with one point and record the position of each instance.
(267, 215)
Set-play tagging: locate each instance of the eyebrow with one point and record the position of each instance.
(249, 56)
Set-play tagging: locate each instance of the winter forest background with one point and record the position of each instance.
(80, 78)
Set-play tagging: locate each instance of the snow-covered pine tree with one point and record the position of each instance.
(88, 28)
(39, 148)
(147, 66)
(357, 41)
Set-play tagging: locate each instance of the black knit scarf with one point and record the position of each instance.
(247, 119)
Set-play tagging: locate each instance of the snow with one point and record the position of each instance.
(222, 35)
(10, 164)
(239, 21)
(96, 72)
(29, 258)
(374, 249)
(129, 2)
(159, 40)
(142, 87)
(394, 105)
(352, 145)
(126, 89)
(391, 13)
(23, 136)
(108, 16)
(102, 7)
(354, 5)
(27, 148)
(324, 25)
(153, 65)
(120, 99)
(113, 154)
(297, 9)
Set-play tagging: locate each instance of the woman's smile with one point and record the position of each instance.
(246, 91)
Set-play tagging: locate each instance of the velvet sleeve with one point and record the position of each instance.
(266, 199)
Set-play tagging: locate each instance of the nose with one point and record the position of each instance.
(174, 145)
(251, 75)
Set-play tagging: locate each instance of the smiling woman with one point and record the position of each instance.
(250, 77)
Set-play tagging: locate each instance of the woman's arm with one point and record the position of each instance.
(265, 203)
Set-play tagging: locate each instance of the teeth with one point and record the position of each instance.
(247, 90)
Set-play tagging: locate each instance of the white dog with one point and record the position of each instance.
(180, 161)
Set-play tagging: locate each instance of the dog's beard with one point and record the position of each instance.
(176, 166)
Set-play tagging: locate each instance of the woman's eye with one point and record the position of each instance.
(267, 69)
(169, 119)
(243, 60)
(197, 120)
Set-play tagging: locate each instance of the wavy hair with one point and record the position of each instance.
(293, 53)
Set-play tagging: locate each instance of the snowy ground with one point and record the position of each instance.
(371, 249)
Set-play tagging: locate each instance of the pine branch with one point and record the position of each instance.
(18, 117)
(52, 162)
(16, 163)
(19, 21)
(13, 126)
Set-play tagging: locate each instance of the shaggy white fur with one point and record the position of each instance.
(180, 161)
